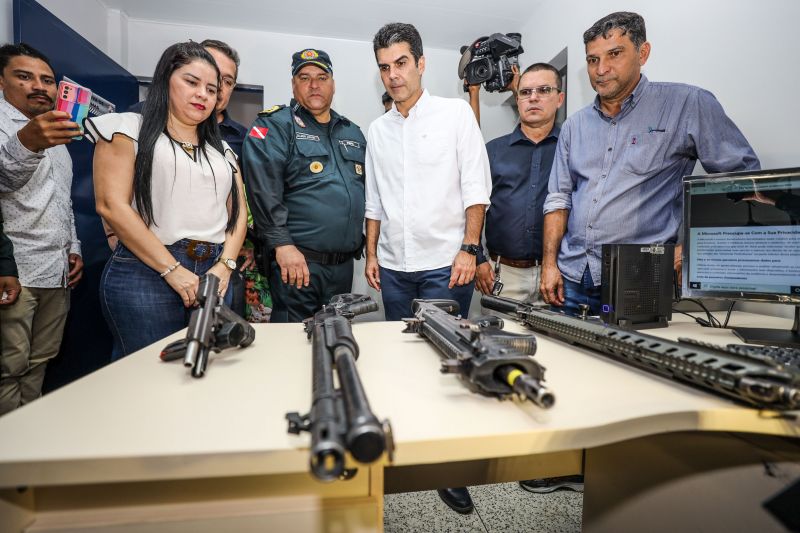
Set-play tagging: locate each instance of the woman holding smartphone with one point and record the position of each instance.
(170, 190)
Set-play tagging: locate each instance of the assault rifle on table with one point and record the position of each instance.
(340, 419)
(759, 382)
(212, 327)
(488, 360)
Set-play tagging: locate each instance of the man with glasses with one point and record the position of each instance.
(620, 161)
(520, 164)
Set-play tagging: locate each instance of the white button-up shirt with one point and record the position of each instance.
(35, 200)
(422, 173)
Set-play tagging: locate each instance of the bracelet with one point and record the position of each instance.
(170, 269)
(110, 234)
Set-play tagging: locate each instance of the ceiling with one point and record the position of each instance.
(443, 23)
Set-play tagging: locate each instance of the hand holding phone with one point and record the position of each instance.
(75, 100)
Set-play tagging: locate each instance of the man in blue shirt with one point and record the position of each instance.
(520, 164)
(620, 161)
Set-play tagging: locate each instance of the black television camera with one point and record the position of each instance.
(489, 60)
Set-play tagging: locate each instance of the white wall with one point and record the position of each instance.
(740, 50)
(266, 59)
(6, 18)
(89, 20)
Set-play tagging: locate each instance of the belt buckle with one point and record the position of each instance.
(191, 250)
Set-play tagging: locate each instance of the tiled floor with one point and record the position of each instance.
(499, 508)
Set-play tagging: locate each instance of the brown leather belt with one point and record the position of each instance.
(517, 263)
(206, 249)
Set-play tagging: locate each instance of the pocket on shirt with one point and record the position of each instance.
(644, 152)
(354, 155)
(315, 162)
(433, 150)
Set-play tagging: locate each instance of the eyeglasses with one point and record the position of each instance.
(542, 90)
(228, 82)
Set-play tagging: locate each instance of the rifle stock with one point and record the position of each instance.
(340, 419)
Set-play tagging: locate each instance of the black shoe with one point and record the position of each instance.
(457, 499)
(543, 486)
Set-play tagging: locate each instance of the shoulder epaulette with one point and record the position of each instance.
(271, 110)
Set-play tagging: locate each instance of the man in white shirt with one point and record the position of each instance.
(428, 185)
(35, 185)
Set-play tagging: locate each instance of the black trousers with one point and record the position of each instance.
(290, 304)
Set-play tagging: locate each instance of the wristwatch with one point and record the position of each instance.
(472, 249)
(230, 263)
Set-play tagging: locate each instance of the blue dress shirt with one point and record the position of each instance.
(620, 177)
(520, 171)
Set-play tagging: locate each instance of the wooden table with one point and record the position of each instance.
(141, 445)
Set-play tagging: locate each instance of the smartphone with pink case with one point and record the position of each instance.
(75, 100)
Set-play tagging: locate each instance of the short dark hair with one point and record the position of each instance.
(386, 99)
(631, 24)
(398, 32)
(536, 67)
(225, 48)
(7, 51)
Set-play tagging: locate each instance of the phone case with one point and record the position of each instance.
(75, 100)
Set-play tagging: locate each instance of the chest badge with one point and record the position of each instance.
(359, 169)
(299, 121)
(315, 167)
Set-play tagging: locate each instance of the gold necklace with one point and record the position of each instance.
(187, 147)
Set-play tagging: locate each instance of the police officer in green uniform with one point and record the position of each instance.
(304, 171)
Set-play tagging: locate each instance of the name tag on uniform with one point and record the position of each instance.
(350, 144)
(300, 136)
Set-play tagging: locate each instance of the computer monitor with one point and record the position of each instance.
(741, 241)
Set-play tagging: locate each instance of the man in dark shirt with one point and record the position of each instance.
(228, 62)
(304, 172)
(520, 163)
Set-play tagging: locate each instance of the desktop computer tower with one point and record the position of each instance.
(637, 285)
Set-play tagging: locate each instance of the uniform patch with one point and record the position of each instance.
(270, 110)
(315, 167)
(350, 144)
(299, 121)
(309, 54)
(258, 132)
(300, 136)
(359, 169)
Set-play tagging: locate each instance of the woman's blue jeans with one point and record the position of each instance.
(139, 305)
